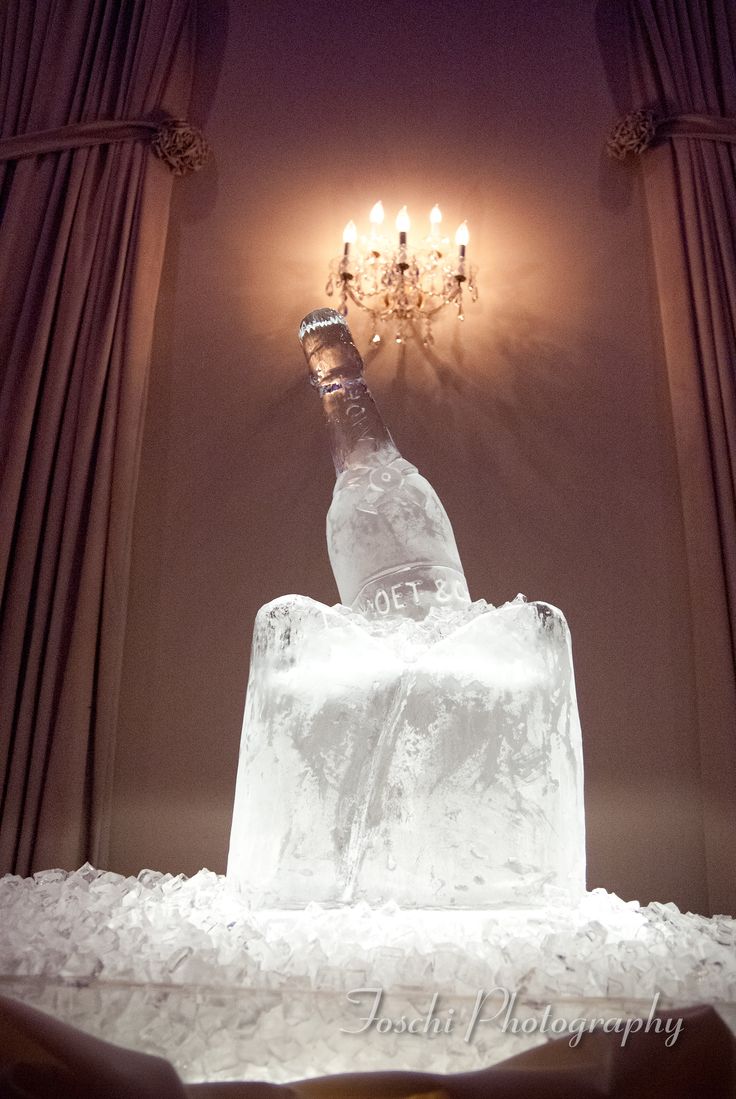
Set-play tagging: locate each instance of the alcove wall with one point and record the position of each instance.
(543, 422)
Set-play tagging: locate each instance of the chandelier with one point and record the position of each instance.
(396, 283)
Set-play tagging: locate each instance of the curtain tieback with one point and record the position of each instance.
(182, 147)
(638, 130)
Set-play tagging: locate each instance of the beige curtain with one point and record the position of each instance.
(684, 63)
(82, 234)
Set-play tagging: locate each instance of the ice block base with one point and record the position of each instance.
(436, 764)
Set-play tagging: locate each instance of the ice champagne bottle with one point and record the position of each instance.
(390, 542)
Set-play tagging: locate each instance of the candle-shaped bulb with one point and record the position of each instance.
(376, 215)
(350, 233)
(402, 220)
(462, 236)
(435, 218)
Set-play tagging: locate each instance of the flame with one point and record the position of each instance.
(435, 216)
(376, 215)
(402, 220)
(462, 236)
(350, 233)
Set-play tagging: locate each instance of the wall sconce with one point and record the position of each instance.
(394, 282)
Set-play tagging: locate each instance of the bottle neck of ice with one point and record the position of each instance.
(356, 429)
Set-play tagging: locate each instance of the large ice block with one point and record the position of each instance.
(434, 763)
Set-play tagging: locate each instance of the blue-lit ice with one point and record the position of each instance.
(434, 763)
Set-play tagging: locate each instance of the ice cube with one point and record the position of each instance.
(436, 764)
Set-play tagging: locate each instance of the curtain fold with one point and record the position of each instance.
(82, 234)
(684, 60)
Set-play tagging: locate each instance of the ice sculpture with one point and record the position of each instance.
(407, 744)
(390, 542)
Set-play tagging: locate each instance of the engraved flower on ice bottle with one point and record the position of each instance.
(379, 486)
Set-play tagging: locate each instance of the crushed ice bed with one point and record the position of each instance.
(183, 968)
